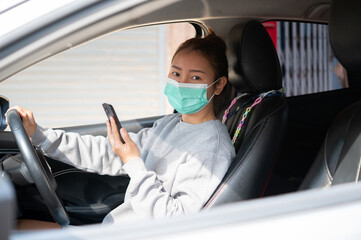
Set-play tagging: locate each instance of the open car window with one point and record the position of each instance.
(307, 60)
(126, 68)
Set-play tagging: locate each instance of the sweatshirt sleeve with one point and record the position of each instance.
(89, 153)
(86, 152)
(195, 181)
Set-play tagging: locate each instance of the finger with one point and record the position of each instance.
(111, 132)
(108, 128)
(20, 110)
(125, 135)
(17, 108)
(24, 113)
(114, 127)
(11, 109)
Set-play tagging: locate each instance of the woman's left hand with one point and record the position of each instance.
(126, 151)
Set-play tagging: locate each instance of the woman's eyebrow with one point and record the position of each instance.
(196, 70)
(176, 67)
(192, 70)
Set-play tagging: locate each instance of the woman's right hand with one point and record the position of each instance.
(27, 119)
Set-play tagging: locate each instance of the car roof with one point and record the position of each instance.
(16, 12)
(71, 23)
(197, 10)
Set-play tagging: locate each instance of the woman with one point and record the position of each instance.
(175, 166)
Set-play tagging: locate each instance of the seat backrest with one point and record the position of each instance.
(339, 158)
(253, 69)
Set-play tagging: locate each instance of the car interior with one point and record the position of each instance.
(285, 143)
(338, 160)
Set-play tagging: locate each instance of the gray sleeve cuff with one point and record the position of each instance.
(39, 139)
(135, 167)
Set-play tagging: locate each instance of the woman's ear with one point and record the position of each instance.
(220, 85)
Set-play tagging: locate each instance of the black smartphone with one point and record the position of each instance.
(110, 112)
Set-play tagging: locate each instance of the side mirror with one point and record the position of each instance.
(4, 106)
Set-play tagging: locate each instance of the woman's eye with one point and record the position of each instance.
(176, 74)
(196, 78)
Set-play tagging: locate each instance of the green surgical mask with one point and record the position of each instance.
(187, 98)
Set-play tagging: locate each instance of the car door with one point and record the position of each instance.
(124, 68)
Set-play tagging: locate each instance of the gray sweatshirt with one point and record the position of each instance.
(180, 166)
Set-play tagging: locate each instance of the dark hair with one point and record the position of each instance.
(213, 48)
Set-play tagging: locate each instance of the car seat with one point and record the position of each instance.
(256, 118)
(338, 160)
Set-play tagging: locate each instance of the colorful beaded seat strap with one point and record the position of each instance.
(245, 114)
(225, 116)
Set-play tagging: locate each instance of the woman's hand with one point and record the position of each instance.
(126, 151)
(27, 118)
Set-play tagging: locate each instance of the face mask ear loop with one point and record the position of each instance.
(207, 102)
(214, 82)
(210, 99)
(213, 93)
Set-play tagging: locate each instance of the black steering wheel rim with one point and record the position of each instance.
(36, 169)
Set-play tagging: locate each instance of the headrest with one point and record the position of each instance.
(253, 62)
(345, 36)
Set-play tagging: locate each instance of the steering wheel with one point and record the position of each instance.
(39, 171)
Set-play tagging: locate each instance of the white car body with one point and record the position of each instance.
(332, 213)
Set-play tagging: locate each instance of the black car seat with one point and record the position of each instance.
(339, 158)
(261, 110)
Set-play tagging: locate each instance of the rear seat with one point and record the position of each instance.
(338, 160)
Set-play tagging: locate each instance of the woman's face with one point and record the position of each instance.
(191, 67)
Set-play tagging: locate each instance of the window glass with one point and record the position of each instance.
(307, 61)
(126, 68)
